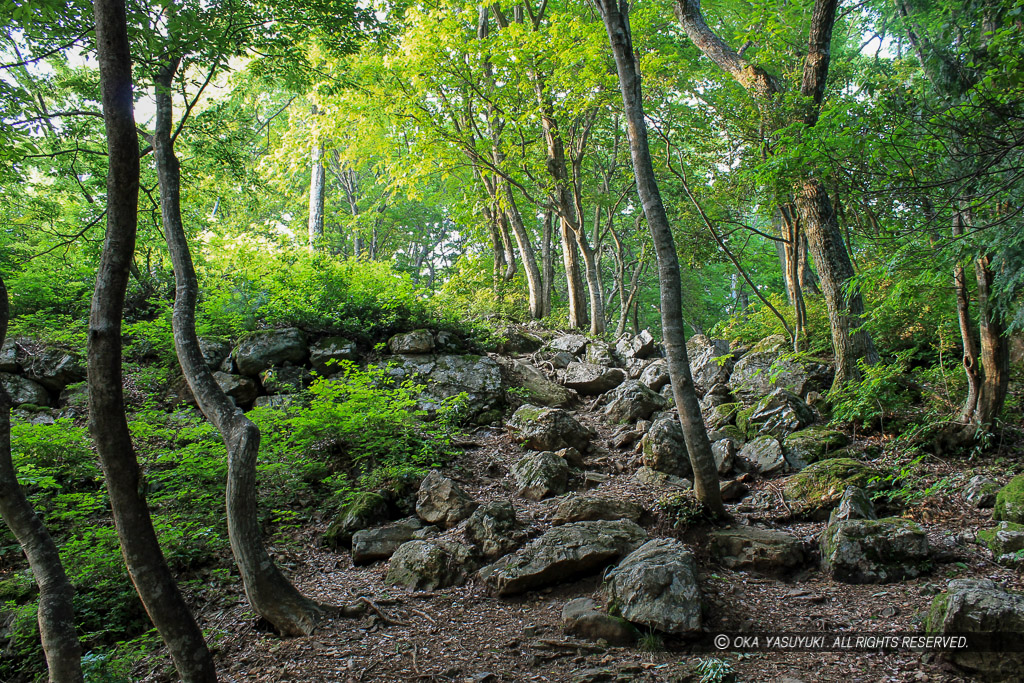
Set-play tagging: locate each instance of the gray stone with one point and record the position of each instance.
(664, 448)
(445, 376)
(724, 451)
(656, 479)
(763, 551)
(9, 357)
(811, 445)
(369, 545)
(711, 362)
(732, 490)
(415, 342)
(656, 586)
(583, 618)
(549, 429)
(279, 401)
(242, 389)
(428, 565)
(570, 343)
(53, 368)
(981, 491)
(524, 378)
(515, 340)
(762, 455)
(855, 504)
(22, 390)
(981, 607)
(326, 355)
(583, 508)
(561, 554)
(874, 551)
(540, 475)
(590, 380)
(285, 380)
(655, 375)
(363, 511)
(600, 353)
(761, 371)
(561, 359)
(643, 345)
(632, 401)
(718, 416)
(1005, 539)
(493, 528)
(817, 489)
(442, 502)
(214, 352)
(780, 413)
(261, 350)
(572, 457)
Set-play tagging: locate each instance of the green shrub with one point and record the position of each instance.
(884, 391)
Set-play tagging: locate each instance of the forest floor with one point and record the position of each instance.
(466, 634)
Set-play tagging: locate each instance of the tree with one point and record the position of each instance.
(615, 14)
(107, 421)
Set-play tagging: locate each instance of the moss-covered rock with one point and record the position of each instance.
(363, 511)
(818, 488)
(1010, 501)
(874, 550)
(1004, 539)
(812, 444)
(722, 415)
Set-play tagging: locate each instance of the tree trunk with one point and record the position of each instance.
(547, 265)
(791, 233)
(615, 14)
(107, 422)
(270, 594)
(56, 615)
(526, 253)
(571, 261)
(317, 190)
(995, 352)
(970, 343)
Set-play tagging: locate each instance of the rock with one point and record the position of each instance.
(656, 479)
(515, 340)
(761, 371)
(381, 543)
(664, 448)
(261, 350)
(656, 586)
(1010, 501)
(539, 475)
(428, 565)
(285, 380)
(363, 511)
(444, 376)
(214, 352)
(9, 357)
(643, 345)
(74, 400)
(592, 480)
(811, 445)
(590, 380)
(493, 527)
(981, 607)
(583, 618)
(549, 429)
(415, 342)
(1004, 539)
(569, 343)
(855, 504)
(600, 353)
(572, 457)
(732, 490)
(442, 502)
(780, 413)
(874, 550)
(762, 455)
(716, 417)
(767, 552)
(724, 451)
(53, 368)
(981, 491)
(242, 389)
(278, 401)
(655, 375)
(561, 554)
(816, 489)
(22, 390)
(582, 508)
(632, 401)
(326, 355)
(711, 362)
(561, 359)
(531, 384)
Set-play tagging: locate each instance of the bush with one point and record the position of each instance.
(885, 391)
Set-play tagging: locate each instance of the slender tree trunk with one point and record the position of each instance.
(547, 265)
(270, 594)
(526, 253)
(107, 422)
(790, 225)
(56, 615)
(317, 189)
(995, 352)
(615, 14)
(574, 284)
(970, 343)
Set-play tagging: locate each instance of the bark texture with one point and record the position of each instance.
(107, 422)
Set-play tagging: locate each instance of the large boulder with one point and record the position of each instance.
(214, 352)
(656, 586)
(9, 357)
(811, 445)
(584, 508)
(600, 353)
(583, 618)
(364, 510)
(22, 390)
(540, 475)
(763, 551)
(442, 502)
(590, 380)
(632, 401)
(855, 504)
(655, 375)
(979, 606)
(779, 414)
(874, 550)
(711, 362)
(664, 448)
(327, 354)
(261, 350)
(242, 389)
(1010, 501)
(444, 376)
(643, 345)
(428, 565)
(369, 545)
(762, 455)
(530, 384)
(510, 339)
(724, 451)
(53, 368)
(569, 343)
(762, 370)
(549, 429)
(981, 491)
(816, 490)
(415, 342)
(561, 554)
(494, 529)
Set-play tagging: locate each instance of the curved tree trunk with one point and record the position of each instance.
(270, 594)
(547, 265)
(533, 277)
(56, 615)
(107, 422)
(615, 14)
